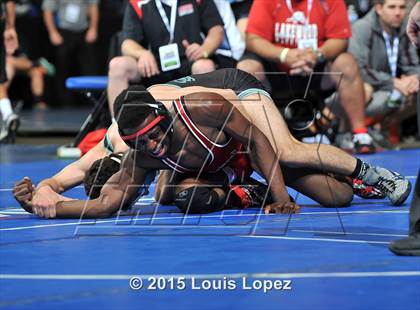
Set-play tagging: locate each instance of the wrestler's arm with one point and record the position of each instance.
(49, 189)
(218, 112)
(119, 190)
(73, 174)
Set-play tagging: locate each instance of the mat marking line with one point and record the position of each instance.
(195, 217)
(347, 233)
(315, 239)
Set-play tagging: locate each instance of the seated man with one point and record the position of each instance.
(162, 41)
(199, 131)
(387, 60)
(297, 38)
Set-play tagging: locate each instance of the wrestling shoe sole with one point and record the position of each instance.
(404, 196)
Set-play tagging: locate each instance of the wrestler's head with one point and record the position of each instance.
(143, 123)
(99, 173)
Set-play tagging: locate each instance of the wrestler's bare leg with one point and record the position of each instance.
(324, 189)
(262, 112)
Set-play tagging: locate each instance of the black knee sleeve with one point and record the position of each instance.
(199, 200)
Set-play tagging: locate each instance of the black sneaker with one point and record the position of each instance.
(363, 144)
(395, 186)
(407, 246)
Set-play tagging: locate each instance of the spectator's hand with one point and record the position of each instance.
(400, 86)
(10, 41)
(23, 192)
(282, 208)
(91, 35)
(310, 57)
(412, 82)
(413, 25)
(56, 38)
(193, 51)
(301, 62)
(147, 65)
(406, 85)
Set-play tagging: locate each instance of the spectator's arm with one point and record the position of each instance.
(333, 47)
(408, 61)
(132, 33)
(10, 36)
(10, 15)
(55, 37)
(413, 25)
(213, 39)
(93, 16)
(260, 31)
(49, 21)
(262, 47)
(132, 48)
(337, 30)
(92, 33)
(359, 47)
(211, 26)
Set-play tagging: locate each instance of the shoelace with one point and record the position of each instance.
(386, 185)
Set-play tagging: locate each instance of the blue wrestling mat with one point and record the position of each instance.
(159, 259)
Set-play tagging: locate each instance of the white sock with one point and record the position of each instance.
(5, 107)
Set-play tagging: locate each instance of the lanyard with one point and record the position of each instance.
(308, 8)
(392, 52)
(169, 26)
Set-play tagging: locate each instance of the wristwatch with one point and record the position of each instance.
(320, 57)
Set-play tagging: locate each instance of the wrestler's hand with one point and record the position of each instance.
(147, 64)
(23, 192)
(43, 202)
(282, 208)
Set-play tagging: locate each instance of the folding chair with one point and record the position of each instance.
(93, 88)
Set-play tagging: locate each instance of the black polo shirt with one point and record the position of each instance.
(143, 23)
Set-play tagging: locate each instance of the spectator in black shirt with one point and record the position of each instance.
(165, 29)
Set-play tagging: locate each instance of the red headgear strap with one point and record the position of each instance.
(143, 130)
